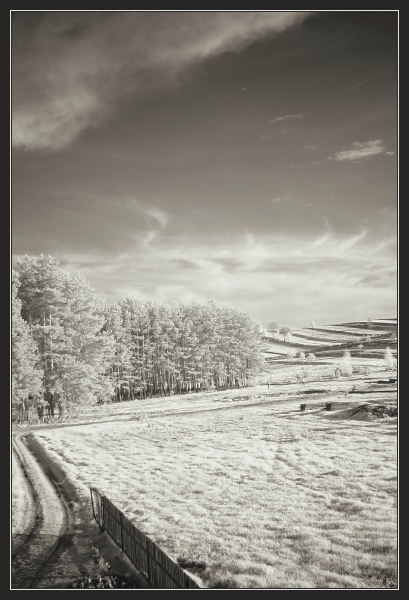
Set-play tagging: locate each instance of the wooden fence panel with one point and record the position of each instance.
(96, 501)
(135, 546)
(158, 568)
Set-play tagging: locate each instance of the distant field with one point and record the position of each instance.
(259, 493)
(352, 331)
(338, 334)
(375, 325)
(331, 337)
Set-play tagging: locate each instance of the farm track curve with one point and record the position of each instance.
(56, 543)
(51, 525)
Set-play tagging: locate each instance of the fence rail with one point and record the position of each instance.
(158, 568)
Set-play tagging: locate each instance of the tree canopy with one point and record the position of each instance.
(26, 370)
(72, 347)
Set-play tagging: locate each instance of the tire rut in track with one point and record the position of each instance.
(52, 521)
(61, 547)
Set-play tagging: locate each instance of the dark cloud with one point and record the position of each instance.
(70, 69)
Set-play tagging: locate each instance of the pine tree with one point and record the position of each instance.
(66, 319)
(87, 350)
(27, 375)
(90, 352)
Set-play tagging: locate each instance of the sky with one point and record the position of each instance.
(247, 157)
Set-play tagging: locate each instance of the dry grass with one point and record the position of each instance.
(266, 496)
(20, 498)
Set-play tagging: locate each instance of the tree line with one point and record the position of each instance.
(69, 348)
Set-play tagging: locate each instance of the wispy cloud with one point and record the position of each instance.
(326, 221)
(285, 118)
(70, 69)
(106, 221)
(359, 151)
(358, 85)
(263, 275)
(308, 148)
(149, 212)
(278, 200)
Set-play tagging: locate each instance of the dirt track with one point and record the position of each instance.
(54, 536)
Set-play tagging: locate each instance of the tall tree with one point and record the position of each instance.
(285, 332)
(66, 319)
(87, 350)
(273, 327)
(41, 295)
(91, 352)
(182, 347)
(26, 372)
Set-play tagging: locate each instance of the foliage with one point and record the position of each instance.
(91, 353)
(273, 327)
(390, 360)
(345, 365)
(179, 348)
(285, 332)
(103, 577)
(26, 370)
(66, 319)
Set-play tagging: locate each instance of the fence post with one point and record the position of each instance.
(92, 504)
(148, 556)
(98, 520)
(102, 513)
(122, 530)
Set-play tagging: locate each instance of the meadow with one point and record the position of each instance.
(243, 484)
(260, 495)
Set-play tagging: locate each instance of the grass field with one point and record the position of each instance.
(266, 496)
(245, 484)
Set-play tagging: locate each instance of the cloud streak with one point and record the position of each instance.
(285, 118)
(291, 278)
(358, 85)
(71, 69)
(360, 151)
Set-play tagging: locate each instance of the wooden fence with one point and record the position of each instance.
(156, 566)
